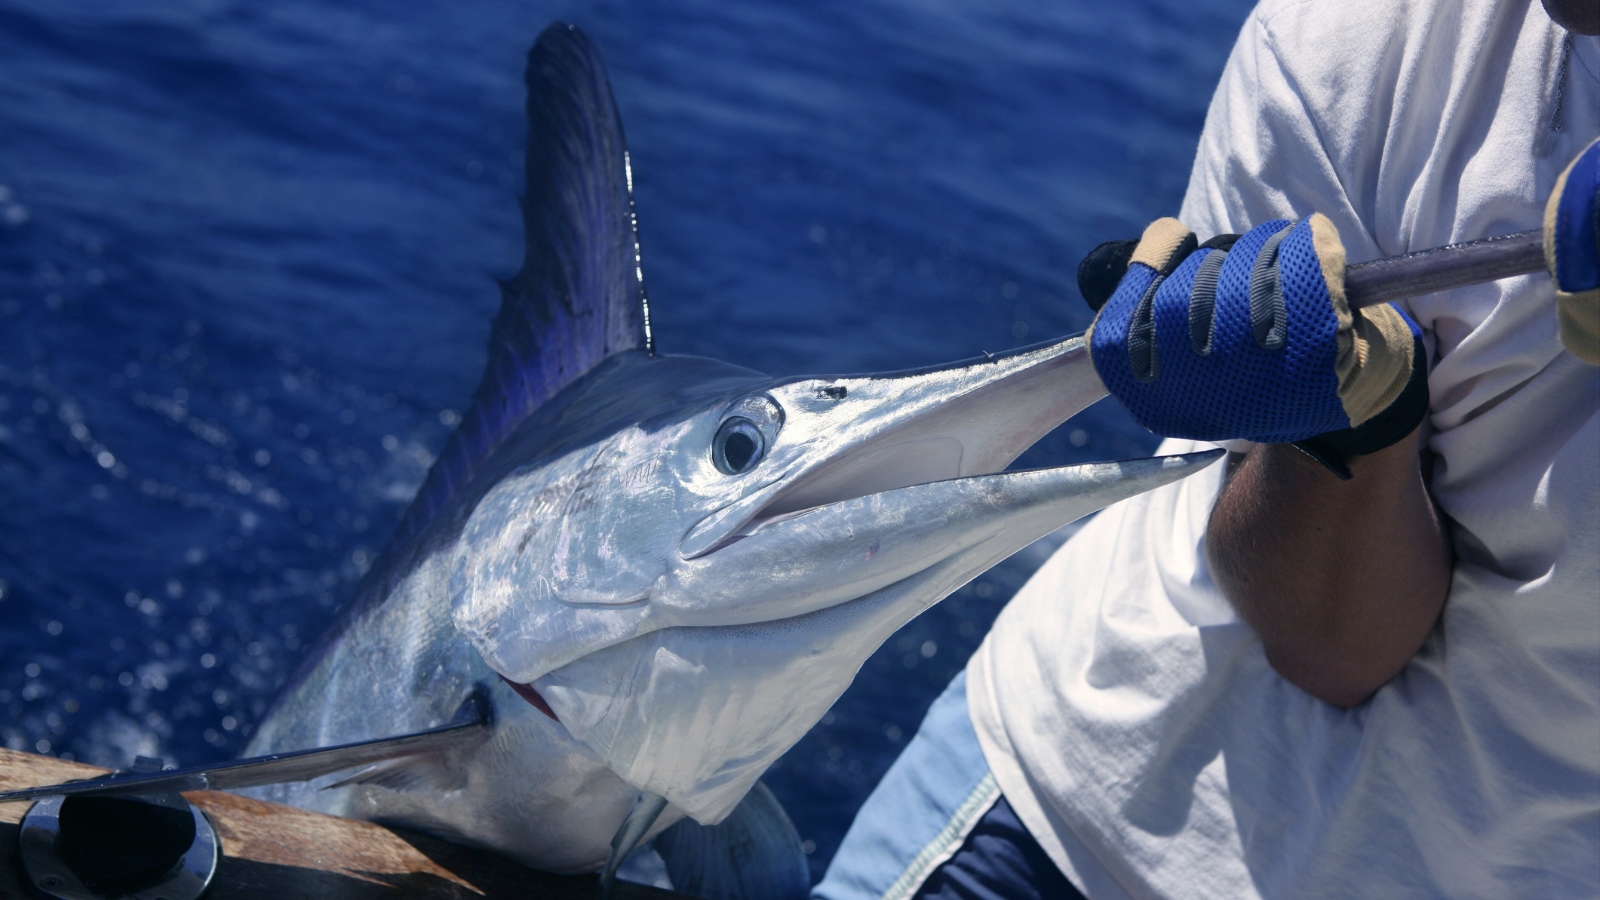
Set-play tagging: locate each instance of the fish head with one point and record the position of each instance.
(765, 541)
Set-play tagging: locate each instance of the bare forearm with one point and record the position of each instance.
(1342, 579)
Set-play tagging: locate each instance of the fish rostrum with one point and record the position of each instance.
(662, 570)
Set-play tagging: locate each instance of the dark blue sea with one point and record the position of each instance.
(247, 262)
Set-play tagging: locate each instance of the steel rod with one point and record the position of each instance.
(1444, 268)
(470, 723)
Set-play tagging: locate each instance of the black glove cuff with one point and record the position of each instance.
(1335, 449)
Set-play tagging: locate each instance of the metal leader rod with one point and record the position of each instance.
(1370, 283)
(1444, 268)
(133, 835)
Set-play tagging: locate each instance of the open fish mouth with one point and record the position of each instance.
(908, 476)
(792, 562)
(911, 428)
(879, 497)
(695, 714)
(867, 482)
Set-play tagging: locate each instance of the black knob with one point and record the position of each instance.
(118, 845)
(1100, 271)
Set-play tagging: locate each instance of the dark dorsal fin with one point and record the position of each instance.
(579, 297)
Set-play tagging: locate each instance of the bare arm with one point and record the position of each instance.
(1341, 579)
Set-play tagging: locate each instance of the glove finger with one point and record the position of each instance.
(1203, 300)
(1179, 304)
(1376, 356)
(1376, 346)
(1130, 310)
(1108, 334)
(1572, 252)
(1203, 294)
(1572, 224)
(1144, 357)
(1164, 245)
(1231, 325)
(1102, 269)
(1578, 317)
(1269, 320)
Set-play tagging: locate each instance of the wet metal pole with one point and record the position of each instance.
(1444, 268)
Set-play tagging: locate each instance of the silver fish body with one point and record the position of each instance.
(684, 562)
(396, 662)
(764, 629)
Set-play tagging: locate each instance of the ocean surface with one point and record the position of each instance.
(247, 262)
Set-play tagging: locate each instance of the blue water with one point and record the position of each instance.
(246, 260)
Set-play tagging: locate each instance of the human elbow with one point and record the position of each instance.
(1336, 679)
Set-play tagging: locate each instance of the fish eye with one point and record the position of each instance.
(738, 446)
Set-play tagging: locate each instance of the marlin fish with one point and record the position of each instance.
(659, 572)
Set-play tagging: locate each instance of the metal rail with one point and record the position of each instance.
(1444, 268)
(470, 723)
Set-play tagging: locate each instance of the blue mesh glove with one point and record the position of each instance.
(1572, 250)
(1251, 337)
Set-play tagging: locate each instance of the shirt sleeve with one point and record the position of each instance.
(1263, 153)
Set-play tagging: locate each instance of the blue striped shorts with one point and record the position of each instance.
(937, 828)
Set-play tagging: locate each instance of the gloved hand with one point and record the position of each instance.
(1251, 337)
(1572, 251)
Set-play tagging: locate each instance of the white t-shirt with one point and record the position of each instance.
(1128, 715)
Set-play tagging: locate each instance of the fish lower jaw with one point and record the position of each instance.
(527, 692)
(756, 524)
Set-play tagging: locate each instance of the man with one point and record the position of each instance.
(1252, 683)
